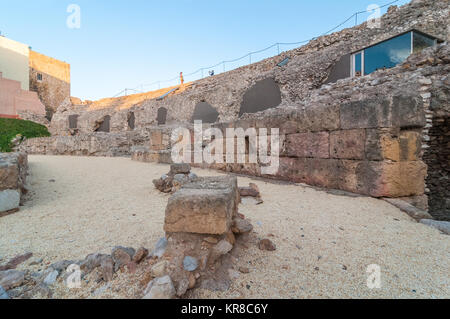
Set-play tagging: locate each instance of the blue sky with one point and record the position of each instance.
(126, 44)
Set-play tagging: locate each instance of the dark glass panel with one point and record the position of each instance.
(387, 54)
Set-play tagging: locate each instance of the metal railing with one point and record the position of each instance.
(223, 64)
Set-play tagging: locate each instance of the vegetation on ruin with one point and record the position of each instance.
(9, 128)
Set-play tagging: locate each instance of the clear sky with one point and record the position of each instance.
(125, 44)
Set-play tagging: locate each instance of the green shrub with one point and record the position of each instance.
(9, 128)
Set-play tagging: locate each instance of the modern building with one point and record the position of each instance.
(44, 82)
(383, 55)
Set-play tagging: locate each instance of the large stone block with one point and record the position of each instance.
(9, 200)
(392, 144)
(328, 173)
(348, 144)
(205, 206)
(408, 111)
(308, 145)
(316, 118)
(366, 114)
(392, 179)
(9, 175)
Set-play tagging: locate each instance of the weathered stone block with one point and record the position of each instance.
(408, 111)
(390, 144)
(329, 173)
(308, 145)
(9, 200)
(392, 179)
(205, 206)
(9, 175)
(348, 144)
(316, 118)
(366, 114)
(182, 168)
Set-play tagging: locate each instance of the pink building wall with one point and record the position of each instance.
(13, 99)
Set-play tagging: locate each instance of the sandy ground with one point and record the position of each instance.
(324, 242)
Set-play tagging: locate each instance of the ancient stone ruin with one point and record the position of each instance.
(382, 134)
(202, 225)
(13, 174)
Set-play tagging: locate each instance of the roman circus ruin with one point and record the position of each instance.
(384, 135)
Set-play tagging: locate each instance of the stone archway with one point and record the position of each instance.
(162, 116)
(205, 112)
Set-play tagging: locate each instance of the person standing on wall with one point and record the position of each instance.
(181, 78)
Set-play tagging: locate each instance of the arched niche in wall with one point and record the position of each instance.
(162, 116)
(265, 94)
(205, 112)
(104, 125)
(73, 121)
(131, 120)
(340, 70)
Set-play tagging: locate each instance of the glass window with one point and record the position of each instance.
(421, 41)
(387, 54)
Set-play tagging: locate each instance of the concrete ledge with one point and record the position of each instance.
(412, 211)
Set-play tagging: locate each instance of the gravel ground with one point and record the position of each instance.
(325, 242)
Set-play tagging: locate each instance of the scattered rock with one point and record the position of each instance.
(182, 168)
(140, 254)
(160, 269)
(36, 261)
(266, 244)
(211, 240)
(14, 262)
(11, 278)
(244, 270)
(248, 191)
(9, 200)
(107, 268)
(442, 226)
(183, 286)
(99, 291)
(51, 278)
(160, 248)
(62, 265)
(121, 256)
(42, 290)
(131, 267)
(190, 263)
(160, 288)
(192, 281)
(241, 226)
(233, 274)
(179, 175)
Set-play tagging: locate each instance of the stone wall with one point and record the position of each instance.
(364, 135)
(54, 87)
(94, 144)
(13, 173)
(437, 150)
